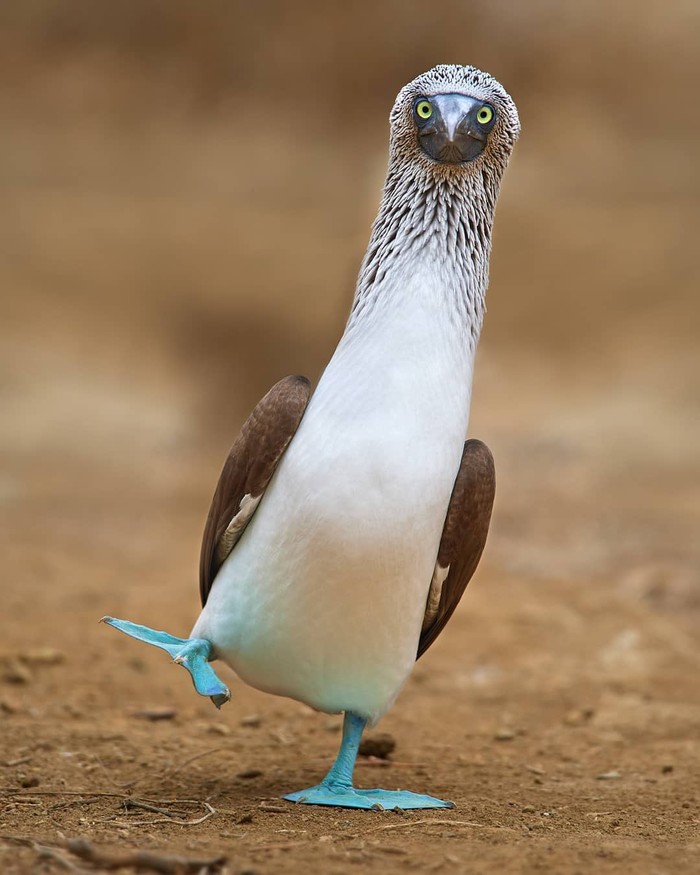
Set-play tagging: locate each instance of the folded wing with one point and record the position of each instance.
(247, 471)
(463, 538)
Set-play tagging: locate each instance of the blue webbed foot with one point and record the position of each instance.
(337, 789)
(379, 800)
(191, 653)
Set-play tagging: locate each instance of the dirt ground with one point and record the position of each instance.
(161, 274)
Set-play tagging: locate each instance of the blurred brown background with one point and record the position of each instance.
(187, 190)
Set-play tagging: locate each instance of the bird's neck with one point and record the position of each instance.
(430, 227)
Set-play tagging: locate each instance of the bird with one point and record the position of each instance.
(347, 521)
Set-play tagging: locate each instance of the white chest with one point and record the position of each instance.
(323, 597)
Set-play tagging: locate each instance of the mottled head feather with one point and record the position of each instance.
(454, 79)
(438, 212)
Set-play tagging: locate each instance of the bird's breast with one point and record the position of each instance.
(323, 597)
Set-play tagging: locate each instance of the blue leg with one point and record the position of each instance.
(191, 653)
(337, 789)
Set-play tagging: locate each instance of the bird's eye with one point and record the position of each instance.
(424, 109)
(484, 115)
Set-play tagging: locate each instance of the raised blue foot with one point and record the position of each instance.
(191, 653)
(337, 789)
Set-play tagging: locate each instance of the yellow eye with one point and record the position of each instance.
(424, 109)
(484, 115)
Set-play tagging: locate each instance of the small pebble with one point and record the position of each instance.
(42, 656)
(247, 774)
(26, 781)
(156, 714)
(578, 716)
(219, 729)
(528, 809)
(608, 776)
(504, 735)
(72, 710)
(667, 769)
(15, 672)
(252, 720)
(380, 745)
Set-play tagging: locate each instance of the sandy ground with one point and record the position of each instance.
(559, 710)
(156, 291)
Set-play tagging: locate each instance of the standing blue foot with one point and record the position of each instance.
(191, 653)
(337, 789)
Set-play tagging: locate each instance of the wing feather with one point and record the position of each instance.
(247, 471)
(463, 538)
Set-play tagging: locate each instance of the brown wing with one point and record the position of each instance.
(247, 471)
(463, 538)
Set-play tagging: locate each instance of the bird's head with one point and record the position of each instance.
(451, 121)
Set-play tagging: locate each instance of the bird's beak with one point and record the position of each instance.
(452, 135)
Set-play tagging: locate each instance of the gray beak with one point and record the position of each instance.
(452, 135)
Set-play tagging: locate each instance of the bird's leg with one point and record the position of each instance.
(191, 653)
(339, 775)
(337, 788)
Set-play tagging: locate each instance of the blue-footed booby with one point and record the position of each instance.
(347, 523)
